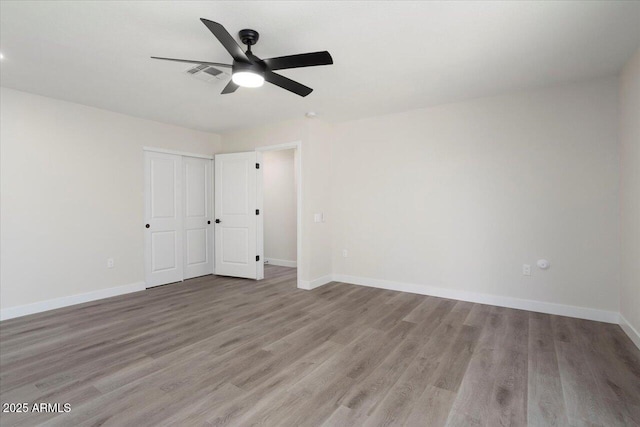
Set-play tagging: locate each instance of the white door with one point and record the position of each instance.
(163, 218)
(198, 244)
(236, 229)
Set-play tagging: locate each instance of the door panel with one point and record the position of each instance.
(235, 191)
(163, 213)
(163, 188)
(236, 244)
(198, 257)
(196, 245)
(163, 245)
(196, 185)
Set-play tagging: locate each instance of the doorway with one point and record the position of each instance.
(282, 201)
(240, 213)
(280, 210)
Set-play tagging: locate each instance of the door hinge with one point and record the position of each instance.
(257, 211)
(257, 257)
(257, 165)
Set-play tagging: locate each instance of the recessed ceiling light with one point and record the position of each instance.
(311, 115)
(1, 56)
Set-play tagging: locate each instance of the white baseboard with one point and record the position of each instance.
(281, 262)
(630, 331)
(308, 285)
(38, 307)
(510, 302)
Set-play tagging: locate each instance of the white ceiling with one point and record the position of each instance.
(388, 56)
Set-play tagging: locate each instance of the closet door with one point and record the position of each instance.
(198, 241)
(163, 218)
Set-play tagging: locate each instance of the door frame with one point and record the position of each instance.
(297, 146)
(178, 153)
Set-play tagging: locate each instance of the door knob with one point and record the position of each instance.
(217, 221)
(208, 222)
(147, 226)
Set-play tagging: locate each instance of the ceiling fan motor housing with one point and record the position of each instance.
(255, 67)
(249, 37)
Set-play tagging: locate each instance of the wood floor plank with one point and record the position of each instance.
(545, 401)
(579, 386)
(449, 374)
(324, 388)
(432, 408)
(233, 352)
(365, 394)
(399, 401)
(473, 401)
(343, 417)
(508, 405)
(261, 401)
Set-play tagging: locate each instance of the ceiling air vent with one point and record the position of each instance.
(213, 71)
(207, 73)
(196, 69)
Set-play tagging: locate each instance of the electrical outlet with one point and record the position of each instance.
(110, 263)
(345, 253)
(526, 270)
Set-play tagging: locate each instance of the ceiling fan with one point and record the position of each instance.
(248, 70)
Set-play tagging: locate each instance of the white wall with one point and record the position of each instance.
(280, 214)
(460, 196)
(455, 197)
(72, 195)
(630, 192)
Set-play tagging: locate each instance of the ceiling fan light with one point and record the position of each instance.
(247, 79)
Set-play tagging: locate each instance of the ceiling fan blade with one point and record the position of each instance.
(227, 41)
(301, 60)
(288, 84)
(229, 88)
(189, 61)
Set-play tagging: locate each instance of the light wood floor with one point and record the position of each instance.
(218, 351)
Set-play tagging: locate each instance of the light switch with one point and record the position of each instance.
(318, 217)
